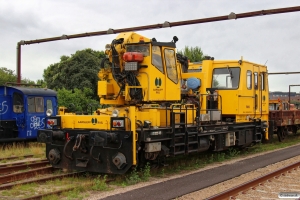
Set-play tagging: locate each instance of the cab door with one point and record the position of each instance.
(264, 94)
(257, 92)
(261, 96)
(18, 108)
(246, 95)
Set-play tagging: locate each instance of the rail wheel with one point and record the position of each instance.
(281, 134)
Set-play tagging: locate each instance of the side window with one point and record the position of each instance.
(171, 65)
(262, 75)
(49, 104)
(18, 105)
(255, 81)
(39, 104)
(31, 105)
(156, 58)
(249, 79)
(35, 104)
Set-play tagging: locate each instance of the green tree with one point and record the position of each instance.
(77, 100)
(8, 75)
(194, 54)
(78, 71)
(42, 83)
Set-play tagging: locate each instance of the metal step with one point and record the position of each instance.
(192, 133)
(179, 144)
(193, 150)
(179, 134)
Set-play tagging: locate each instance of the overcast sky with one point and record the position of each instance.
(273, 39)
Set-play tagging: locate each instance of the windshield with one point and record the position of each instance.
(226, 78)
(142, 48)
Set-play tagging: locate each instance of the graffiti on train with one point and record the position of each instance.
(37, 122)
(3, 108)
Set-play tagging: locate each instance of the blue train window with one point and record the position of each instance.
(39, 103)
(35, 104)
(18, 105)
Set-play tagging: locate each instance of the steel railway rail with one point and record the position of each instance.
(16, 157)
(231, 193)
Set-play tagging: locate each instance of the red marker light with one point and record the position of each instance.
(50, 122)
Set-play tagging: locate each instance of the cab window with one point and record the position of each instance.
(262, 75)
(249, 79)
(18, 105)
(171, 65)
(255, 81)
(141, 48)
(156, 58)
(226, 78)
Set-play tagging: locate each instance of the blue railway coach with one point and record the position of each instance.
(23, 111)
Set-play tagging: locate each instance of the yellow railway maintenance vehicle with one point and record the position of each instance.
(161, 105)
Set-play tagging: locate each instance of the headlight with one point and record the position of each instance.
(49, 112)
(115, 113)
(131, 66)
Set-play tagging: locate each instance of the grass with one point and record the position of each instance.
(134, 177)
(76, 193)
(78, 186)
(21, 149)
(146, 172)
(100, 184)
(20, 190)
